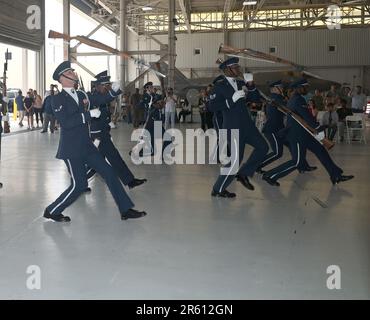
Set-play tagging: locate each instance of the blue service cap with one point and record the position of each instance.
(299, 83)
(276, 84)
(103, 80)
(101, 75)
(148, 84)
(63, 67)
(229, 62)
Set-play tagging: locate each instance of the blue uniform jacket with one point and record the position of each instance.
(149, 107)
(46, 106)
(75, 139)
(235, 115)
(253, 94)
(298, 105)
(99, 127)
(275, 118)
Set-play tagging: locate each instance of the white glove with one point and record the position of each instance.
(320, 136)
(97, 143)
(95, 113)
(116, 86)
(112, 125)
(6, 99)
(238, 95)
(248, 77)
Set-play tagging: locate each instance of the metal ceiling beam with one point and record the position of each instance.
(99, 26)
(186, 12)
(258, 7)
(135, 52)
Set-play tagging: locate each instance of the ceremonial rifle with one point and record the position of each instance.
(102, 46)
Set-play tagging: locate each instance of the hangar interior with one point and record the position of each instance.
(272, 243)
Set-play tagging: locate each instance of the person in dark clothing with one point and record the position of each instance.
(48, 111)
(19, 100)
(28, 105)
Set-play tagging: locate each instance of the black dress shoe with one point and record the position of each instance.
(223, 194)
(133, 214)
(307, 169)
(136, 182)
(341, 178)
(56, 217)
(43, 131)
(245, 182)
(270, 181)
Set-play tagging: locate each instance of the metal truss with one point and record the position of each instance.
(275, 19)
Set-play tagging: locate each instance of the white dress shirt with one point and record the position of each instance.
(72, 92)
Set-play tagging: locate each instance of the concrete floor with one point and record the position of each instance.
(273, 243)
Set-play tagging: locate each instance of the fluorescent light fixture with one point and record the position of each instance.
(147, 8)
(249, 3)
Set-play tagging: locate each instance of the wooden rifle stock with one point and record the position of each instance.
(101, 46)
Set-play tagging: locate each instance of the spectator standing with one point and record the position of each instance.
(129, 108)
(331, 95)
(318, 100)
(38, 108)
(28, 105)
(19, 100)
(138, 111)
(170, 109)
(358, 101)
(346, 95)
(48, 111)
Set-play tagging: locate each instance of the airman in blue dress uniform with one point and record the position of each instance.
(100, 135)
(151, 102)
(300, 140)
(230, 98)
(76, 148)
(274, 125)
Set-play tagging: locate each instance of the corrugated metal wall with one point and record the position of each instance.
(309, 48)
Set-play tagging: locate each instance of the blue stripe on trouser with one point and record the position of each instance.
(288, 166)
(276, 145)
(77, 169)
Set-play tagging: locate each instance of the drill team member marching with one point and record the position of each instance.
(100, 134)
(300, 140)
(229, 97)
(76, 148)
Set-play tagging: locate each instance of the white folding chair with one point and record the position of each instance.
(355, 125)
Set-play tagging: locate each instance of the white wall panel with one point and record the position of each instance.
(306, 47)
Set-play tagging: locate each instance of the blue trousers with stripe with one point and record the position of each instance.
(77, 170)
(277, 146)
(254, 138)
(298, 153)
(110, 152)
